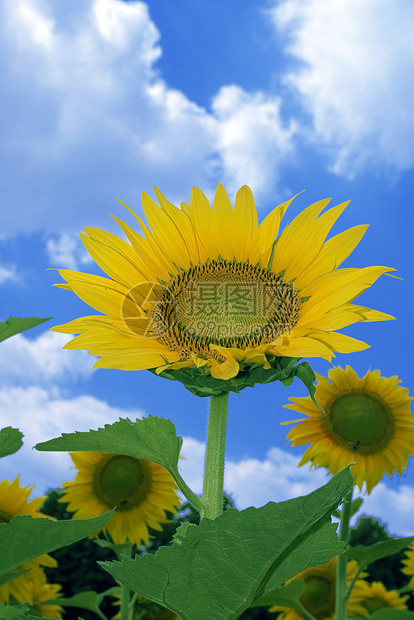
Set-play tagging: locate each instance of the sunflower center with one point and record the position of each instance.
(122, 481)
(360, 421)
(4, 516)
(225, 303)
(318, 596)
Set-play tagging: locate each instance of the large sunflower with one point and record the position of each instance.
(367, 422)
(319, 596)
(376, 596)
(141, 490)
(14, 500)
(209, 287)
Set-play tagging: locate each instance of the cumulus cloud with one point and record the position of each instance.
(41, 360)
(66, 250)
(353, 75)
(276, 478)
(8, 274)
(42, 415)
(87, 117)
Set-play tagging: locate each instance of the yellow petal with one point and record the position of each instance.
(295, 244)
(225, 370)
(268, 231)
(201, 215)
(135, 360)
(183, 224)
(222, 219)
(244, 229)
(166, 233)
(331, 256)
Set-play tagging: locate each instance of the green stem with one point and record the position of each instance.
(187, 492)
(212, 500)
(125, 549)
(341, 599)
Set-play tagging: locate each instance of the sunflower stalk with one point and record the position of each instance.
(212, 500)
(125, 549)
(342, 595)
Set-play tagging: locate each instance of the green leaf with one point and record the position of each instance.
(10, 612)
(356, 505)
(219, 568)
(15, 326)
(365, 555)
(200, 382)
(10, 440)
(10, 576)
(287, 595)
(153, 439)
(25, 537)
(84, 600)
(392, 614)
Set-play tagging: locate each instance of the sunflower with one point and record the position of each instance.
(376, 596)
(42, 591)
(319, 596)
(367, 422)
(14, 500)
(141, 491)
(210, 289)
(409, 565)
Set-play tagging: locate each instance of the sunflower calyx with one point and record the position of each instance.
(200, 382)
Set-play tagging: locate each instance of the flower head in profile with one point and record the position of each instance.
(366, 421)
(319, 596)
(142, 492)
(14, 500)
(208, 289)
(409, 565)
(42, 591)
(376, 596)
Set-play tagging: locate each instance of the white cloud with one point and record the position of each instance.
(43, 415)
(356, 61)
(276, 478)
(251, 133)
(67, 251)
(88, 117)
(41, 360)
(8, 274)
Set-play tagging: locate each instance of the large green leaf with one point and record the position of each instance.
(25, 537)
(10, 440)
(14, 326)
(219, 568)
(153, 439)
(365, 555)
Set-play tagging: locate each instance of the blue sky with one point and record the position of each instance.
(104, 99)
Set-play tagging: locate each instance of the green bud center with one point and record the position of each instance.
(360, 422)
(121, 481)
(318, 596)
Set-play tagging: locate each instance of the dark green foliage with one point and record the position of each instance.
(77, 569)
(369, 531)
